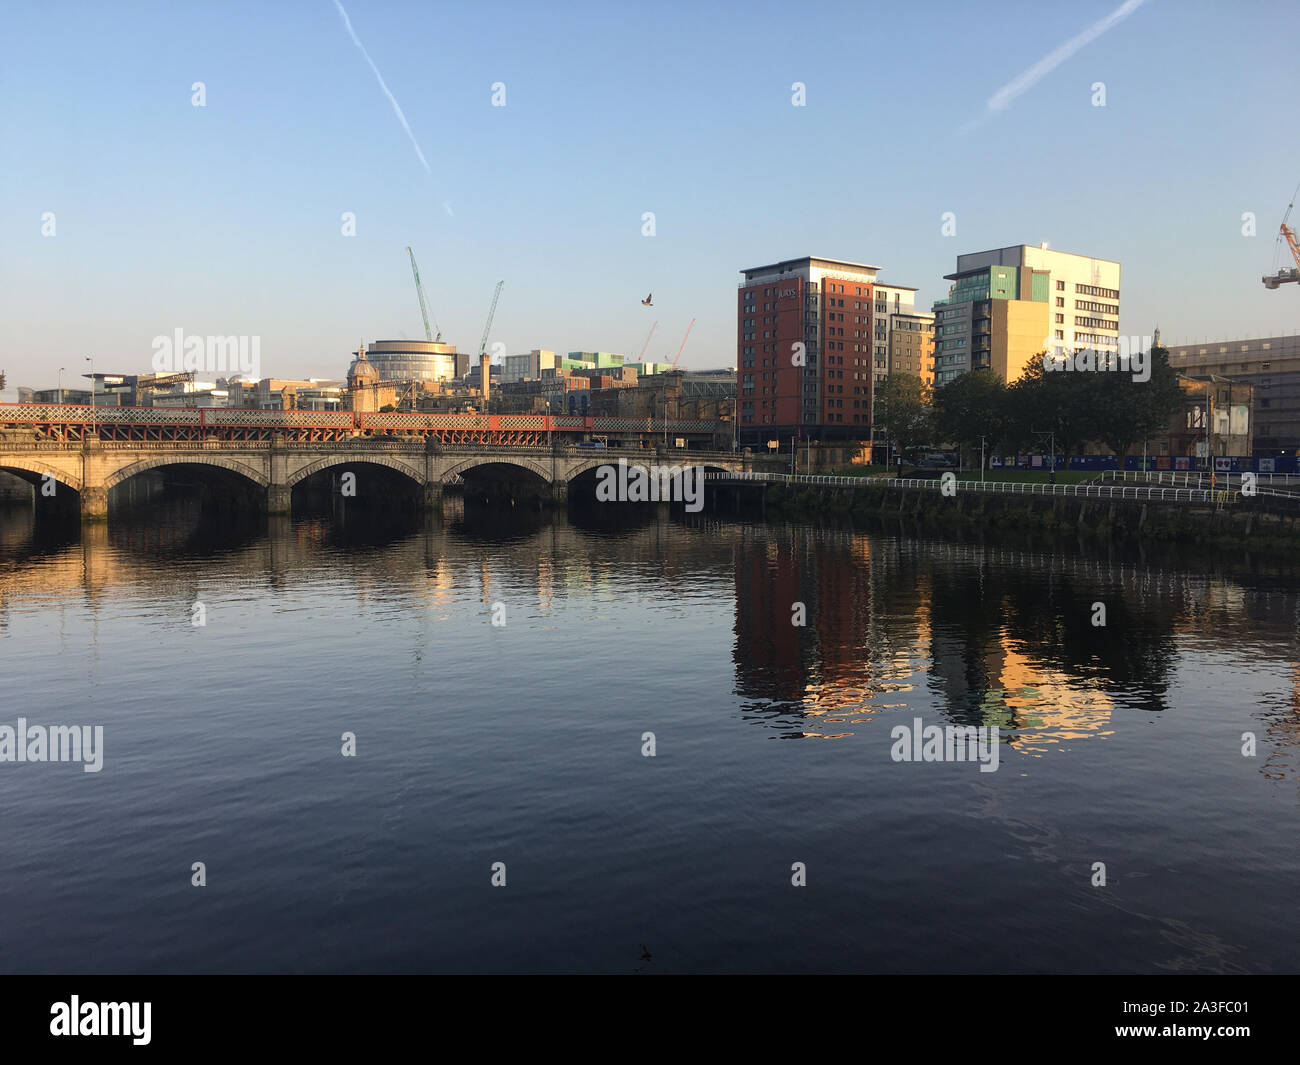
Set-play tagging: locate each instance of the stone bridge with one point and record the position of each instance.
(93, 467)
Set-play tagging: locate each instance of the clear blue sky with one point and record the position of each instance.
(226, 219)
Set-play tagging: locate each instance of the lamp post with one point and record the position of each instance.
(1051, 435)
(92, 394)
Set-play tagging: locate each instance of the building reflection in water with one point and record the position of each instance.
(980, 634)
(973, 634)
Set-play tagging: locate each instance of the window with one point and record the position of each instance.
(1060, 319)
(1060, 287)
(1060, 301)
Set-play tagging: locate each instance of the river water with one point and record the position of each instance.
(1119, 749)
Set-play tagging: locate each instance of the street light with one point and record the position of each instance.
(1051, 434)
(92, 394)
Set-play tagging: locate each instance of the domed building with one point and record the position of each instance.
(363, 383)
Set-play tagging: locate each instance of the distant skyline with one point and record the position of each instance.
(226, 219)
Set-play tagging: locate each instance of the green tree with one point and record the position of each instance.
(1132, 411)
(902, 409)
(1063, 403)
(972, 406)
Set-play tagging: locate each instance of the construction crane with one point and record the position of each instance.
(424, 310)
(1286, 234)
(647, 342)
(484, 361)
(679, 350)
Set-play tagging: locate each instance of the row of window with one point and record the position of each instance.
(1093, 290)
(1101, 308)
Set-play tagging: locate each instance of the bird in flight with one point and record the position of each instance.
(646, 302)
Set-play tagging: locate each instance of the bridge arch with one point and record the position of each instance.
(33, 471)
(648, 458)
(186, 459)
(361, 458)
(534, 466)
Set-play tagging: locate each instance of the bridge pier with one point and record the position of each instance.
(433, 495)
(94, 503)
(279, 499)
(560, 492)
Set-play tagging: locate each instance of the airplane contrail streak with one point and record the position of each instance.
(347, 22)
(1003, 98)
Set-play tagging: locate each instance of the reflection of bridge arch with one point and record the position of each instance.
(31, 471)
(532, 466)
(221, 462)
(368, 459)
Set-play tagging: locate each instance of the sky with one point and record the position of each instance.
(227, 219)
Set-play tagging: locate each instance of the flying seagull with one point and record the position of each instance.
(646, 302)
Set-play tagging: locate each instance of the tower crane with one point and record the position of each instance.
(484, 360)
(647, 342)
(679, 350)
(424, 310)
(1285, 235)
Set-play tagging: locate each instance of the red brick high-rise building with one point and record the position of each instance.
(812, 339)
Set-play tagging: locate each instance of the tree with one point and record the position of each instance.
(1131, 410)
(1065, 403)
(902, 410)
(972, 406)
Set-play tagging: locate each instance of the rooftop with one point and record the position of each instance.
(786, 264)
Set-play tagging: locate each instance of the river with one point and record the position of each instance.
(601, 741)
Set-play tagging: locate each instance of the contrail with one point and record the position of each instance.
(1003, 98)
(347, 22)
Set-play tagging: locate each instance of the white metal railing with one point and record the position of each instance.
(1083, 491)
(1187, 478)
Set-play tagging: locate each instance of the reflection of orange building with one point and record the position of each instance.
(769, 649)
(825, 665)
(842, 621)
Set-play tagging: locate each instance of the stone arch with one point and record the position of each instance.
(645, 458)
(37, 470)
(361, 458)
(521, 462)
(184, 459)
